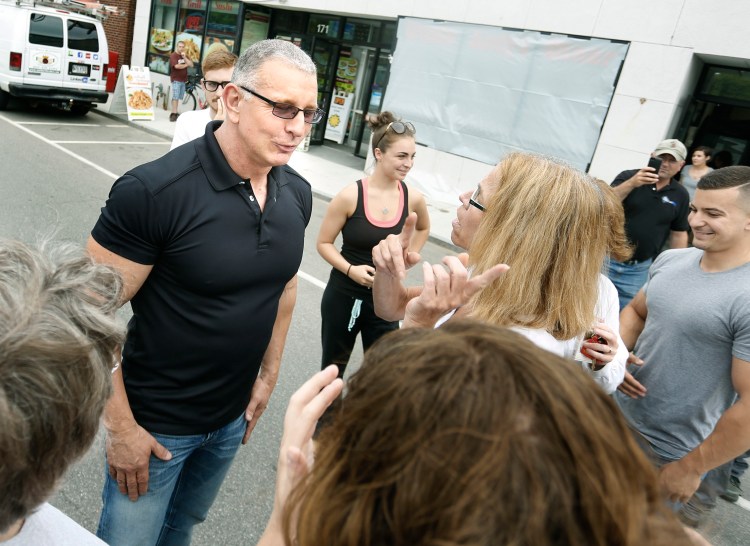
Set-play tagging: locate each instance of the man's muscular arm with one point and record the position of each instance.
(128, 444)
(729, 439)
(269, 368)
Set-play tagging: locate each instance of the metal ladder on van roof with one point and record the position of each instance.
(92, 9)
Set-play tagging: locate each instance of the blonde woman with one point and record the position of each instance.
(553, 226)
(364, 213)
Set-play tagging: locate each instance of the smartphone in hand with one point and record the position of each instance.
(655, 162)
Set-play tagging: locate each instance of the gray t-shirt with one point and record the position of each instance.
(47, 526)
(696, 323)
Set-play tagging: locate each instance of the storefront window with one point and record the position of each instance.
(388, 36)
(222, 27)
(362, 30)
(720, 82)
(290, 21)
(255, 28)
(191, 25)
(161, 39)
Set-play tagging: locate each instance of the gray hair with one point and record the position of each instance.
(252, 60)
(58, 335)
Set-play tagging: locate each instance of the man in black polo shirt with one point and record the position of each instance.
(656, 209)
(208, 240)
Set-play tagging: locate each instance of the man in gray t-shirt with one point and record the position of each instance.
(690, 325)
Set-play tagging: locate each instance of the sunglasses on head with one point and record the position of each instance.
(399, 127)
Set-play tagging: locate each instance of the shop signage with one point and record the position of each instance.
(133, 94)
(193, 4)
(338, 117)
(225, 6)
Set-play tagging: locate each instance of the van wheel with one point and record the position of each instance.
(4, 99)
(80, 109)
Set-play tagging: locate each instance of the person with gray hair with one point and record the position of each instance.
(209, 239)
(58, 337)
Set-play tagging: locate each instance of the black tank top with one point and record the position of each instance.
(360, 234)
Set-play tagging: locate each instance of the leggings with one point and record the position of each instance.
(343, 317)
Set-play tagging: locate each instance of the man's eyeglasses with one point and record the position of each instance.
(473, 200)
(289, 111)
(399, 127)
(212, 86)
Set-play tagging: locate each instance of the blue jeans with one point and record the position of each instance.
(740, 465)
(180, 491)
(628, 278)
(178, 90)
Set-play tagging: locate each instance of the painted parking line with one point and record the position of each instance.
(743, 503)
(56, 144)
(74, 155)
(312, 280)
(142, 142)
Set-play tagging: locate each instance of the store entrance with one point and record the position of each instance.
(722, 127)
(351, 80)
(718, 115)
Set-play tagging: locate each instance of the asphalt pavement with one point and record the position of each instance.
(56, 175)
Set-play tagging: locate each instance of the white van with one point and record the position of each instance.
(52, 51)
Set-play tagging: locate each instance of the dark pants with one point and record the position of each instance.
(343, 317)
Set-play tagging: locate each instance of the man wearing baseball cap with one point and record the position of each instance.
(656, 210)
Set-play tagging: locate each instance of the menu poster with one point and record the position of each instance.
(338, 117)
(346, 73)
(133, 94)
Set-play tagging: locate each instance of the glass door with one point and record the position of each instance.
(325, 54)
(371, 101)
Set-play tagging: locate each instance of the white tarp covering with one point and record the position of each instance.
(480, 91)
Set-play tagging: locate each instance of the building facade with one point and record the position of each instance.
(681, 70)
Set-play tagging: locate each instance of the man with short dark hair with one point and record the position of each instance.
(209, 239)
(179, 63)
(58, 338)
(656, 209)
(690, 324)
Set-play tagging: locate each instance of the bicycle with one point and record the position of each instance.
(193, 95)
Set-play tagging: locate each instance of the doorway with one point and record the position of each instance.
(718, 115)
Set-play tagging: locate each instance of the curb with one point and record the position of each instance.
(119, 117)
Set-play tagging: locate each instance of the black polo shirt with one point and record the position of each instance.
(650, 215)
(203, 318)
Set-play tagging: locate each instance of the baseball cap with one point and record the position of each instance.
(673, 147)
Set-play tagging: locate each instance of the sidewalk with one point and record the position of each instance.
(328, 169)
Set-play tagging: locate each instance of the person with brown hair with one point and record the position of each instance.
(553, 225)
(217, 70)
(691, 174)
(179, 62)
(465, 434)
(364, 213)
(58, 338)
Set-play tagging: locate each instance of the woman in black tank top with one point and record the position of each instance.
(364, 213)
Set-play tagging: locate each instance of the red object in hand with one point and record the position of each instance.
(593, 338)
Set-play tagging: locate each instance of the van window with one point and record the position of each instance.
(82, 35)
(46, 30)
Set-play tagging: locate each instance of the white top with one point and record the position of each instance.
(607, 309)
(50, 527)
(190, 126)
